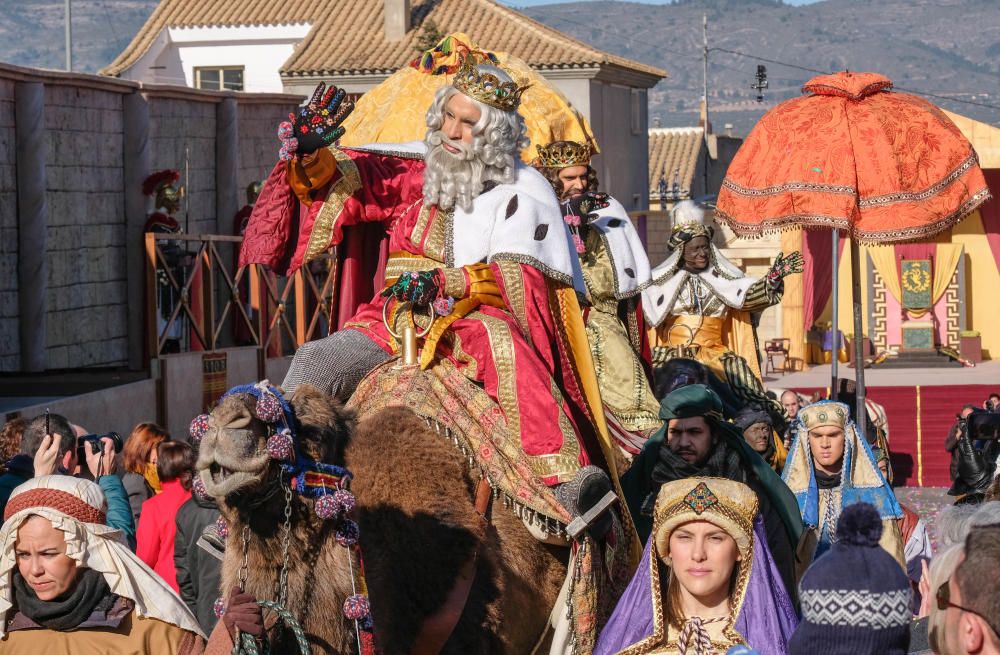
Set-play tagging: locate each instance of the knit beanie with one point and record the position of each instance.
(856, 597)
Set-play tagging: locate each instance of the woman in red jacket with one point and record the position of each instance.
(158, 520)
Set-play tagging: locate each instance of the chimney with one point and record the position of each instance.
(397, 19)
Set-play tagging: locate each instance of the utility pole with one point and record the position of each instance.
(69, 35)
(704, 34)
(708, 151)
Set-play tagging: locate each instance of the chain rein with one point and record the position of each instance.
(246, 644)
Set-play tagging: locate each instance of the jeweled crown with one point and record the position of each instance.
(487, 87)
(563, 154)
(823, 414)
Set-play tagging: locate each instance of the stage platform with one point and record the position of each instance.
(921, 405)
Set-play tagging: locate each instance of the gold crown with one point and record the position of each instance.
(824, 413)
(728, 504)
(563, 154)
(487, 87)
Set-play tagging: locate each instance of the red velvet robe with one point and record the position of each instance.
(525, 352)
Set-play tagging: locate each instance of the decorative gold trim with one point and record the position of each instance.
(396, 266)
(527, 260)
(455, 283)
(562, 465)
(435, 245)
(837, 189)
(420, 226)
(865, 237)
(932, 190)
(513, 287)
(333, 206)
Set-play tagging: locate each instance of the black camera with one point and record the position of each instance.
(983, 424)
(94, 441)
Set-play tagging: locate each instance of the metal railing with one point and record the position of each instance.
(197, 298)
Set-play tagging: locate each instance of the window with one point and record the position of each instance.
(638, 100)
(219, 78)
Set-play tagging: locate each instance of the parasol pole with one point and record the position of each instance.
(835, 294)
(861, 414)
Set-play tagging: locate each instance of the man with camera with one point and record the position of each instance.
(54, 446)
(973, 468)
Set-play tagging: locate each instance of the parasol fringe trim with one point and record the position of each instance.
(813, 222)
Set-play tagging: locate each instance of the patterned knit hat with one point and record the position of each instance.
(856, 597)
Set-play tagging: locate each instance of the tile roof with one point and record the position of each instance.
(348, 36)
(673, 149)
(218, 13)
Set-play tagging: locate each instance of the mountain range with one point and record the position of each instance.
(950, 48)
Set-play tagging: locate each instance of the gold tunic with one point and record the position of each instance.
(625, 390)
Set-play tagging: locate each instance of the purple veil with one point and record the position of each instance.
(766, 620)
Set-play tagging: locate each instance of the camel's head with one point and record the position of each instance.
(234, 457)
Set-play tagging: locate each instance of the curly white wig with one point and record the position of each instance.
(498, 138)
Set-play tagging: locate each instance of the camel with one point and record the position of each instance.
(419, 531)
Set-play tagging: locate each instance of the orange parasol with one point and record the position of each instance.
(852, 155)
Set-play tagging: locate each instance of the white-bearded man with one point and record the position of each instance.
(615, 270)
(472, 232)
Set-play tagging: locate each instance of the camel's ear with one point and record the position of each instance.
(324, 424)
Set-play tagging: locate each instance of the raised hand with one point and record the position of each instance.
(586, 204)
(317, 123)
(785, 266)
(419, 288)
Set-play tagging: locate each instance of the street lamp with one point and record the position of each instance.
(662, 190)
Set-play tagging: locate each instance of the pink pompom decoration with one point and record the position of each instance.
(269, 409)
(444, 306)
(347, 533)
(326, 508)
(281, 447)
(199, 426)
(222, 527)
(571, 219)
(578, 243)
(345, 500)
(198, 487)
(219, 607)
(284, 130)
(356, 607)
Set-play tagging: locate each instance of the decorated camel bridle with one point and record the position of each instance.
(326, 483)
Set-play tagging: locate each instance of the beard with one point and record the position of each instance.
(454, 179)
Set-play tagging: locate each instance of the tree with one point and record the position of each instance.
(429, 37)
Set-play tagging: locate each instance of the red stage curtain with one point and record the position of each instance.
(818, 274)
(991, 212)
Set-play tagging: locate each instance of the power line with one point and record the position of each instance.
(822, 72)
(770, 61)
(776, 62)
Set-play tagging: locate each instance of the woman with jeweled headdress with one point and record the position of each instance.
(707, 581)
(830, 466)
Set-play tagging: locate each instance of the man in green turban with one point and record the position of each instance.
(697, 441)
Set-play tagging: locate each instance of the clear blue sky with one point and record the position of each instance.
(535, 3)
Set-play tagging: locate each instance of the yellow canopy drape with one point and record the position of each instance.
(395, 111)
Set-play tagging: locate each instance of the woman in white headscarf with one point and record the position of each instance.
(69, 584)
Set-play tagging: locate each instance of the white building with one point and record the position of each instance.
(291, 45)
